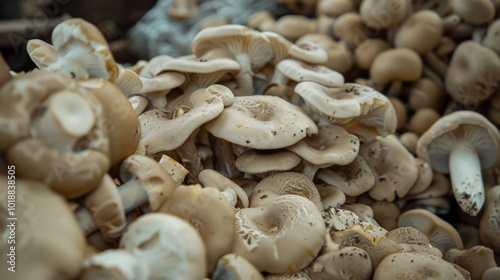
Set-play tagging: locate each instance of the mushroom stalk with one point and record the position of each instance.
(188, 152)
(132, 195)
(245, 76)
(466, 178)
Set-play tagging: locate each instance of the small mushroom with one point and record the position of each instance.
(475, 259)
(382, 14)
(462, 143)
(330, 196)
(489, 226)
(233, 266)
(306, 51)
(347, 263)
(263, 163)
(269, 236)
(232, 191)
(424, 178)
(477, 12)
(366, 52)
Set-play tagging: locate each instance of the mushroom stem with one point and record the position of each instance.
(190, 158)
(436, 63)
(132, 194)
(245, 76)
(67, 117)
(226, 163)
(309, 170)
(466, 178)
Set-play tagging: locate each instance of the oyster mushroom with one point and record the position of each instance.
(346, 263)
(462, 144)
(263, 163)
(476, 259)
(264, 234)
(306, 51)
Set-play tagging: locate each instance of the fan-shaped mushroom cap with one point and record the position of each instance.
(462, 143)
(439, 232)
(473, 73)
(210, 213)
(383, 14)
(357, 107)
(56, 134)
(397, 64)
(396, 168)
(233, 266)
(48, 238)
(170, 246)
(266, 162)
(299, 71)
(41, 53)
(282, 184)
(421, 32)
(307, 51)
(347, 263)
(269, 236)
(415, 266)
(262, 122)
(489, 228)
(121, 121)
(352, 179)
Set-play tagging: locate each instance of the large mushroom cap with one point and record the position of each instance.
(262, 122)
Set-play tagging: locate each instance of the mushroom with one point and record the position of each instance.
(333, 145)
(262, 122)
(334, 8)
(350, 28)
(307, 50)
(39, 231)
(489, 226)
(346, 263)
(5, 71)
(406, 265)
(475, 259)
(491, 273)
(426, 93)
(440, 233)
(269, 236)
(412, 240)
(57, 135)
(462, 143)
(81, 49)
(232, 191)
(366, 52)
(424, 178)
(208, 210)
(490, 39)
(330, 196)
(183, 9)
(155, 246)
(476, 12)
(250, 48)
(473, 73)
(409, 141)
(282, 184)
(233, 266)
(263, 163)
(421, 32)
(382, 14)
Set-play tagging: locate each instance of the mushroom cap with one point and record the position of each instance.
(396, 64)
(350, 28)
(352, 105)
(264, 161)
(300, 71)
(233, 266)
(237, 39)
(440, 233)
(415, 266)
(121, 120)
(424, 179)
(262, 122)
(70, 172)
(282, 184)
(78, 31)
(210, 213)
(114, 264)
(169, 245)
(41, 53)
(366, 52)
(491, 39)
(269, 236)
(307, 51)
(48, 238)
(421, 32)
(383, 14)
(212, 178)
(478, 12)
(153, 178)
(475, 259)
(352, 179)
(490, 219)
(473, 73)
(330, 196)
(396, 168)
(347, 263)
(435, 145)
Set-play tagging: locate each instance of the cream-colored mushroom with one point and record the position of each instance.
(263, 163)
(232, 191)
(233, 266)
(268, 236)
(347, 263)
(476, 259)
(489, 226)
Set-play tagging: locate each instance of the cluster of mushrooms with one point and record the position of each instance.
(297, 148)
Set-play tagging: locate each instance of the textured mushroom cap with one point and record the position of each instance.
(170, 246)
(282, 236)
(353, 179)
(383, 14)
(420, 32)
(307, 51)
(263, 161)
(347, 263)
(262, 122)
(210, 213)
(153, 178)
(285, 183)
(114, 264)
(439, 232)
(352, 105)
(490, 219)
(396, 64)
(435, 145)
(48, 238)
(70, 172)
(233, 266)
(473, 73)
(121, 120)
(415, 266)
(78, 31)
(396, 168)
(237, 39)
(338, 219)
(477, 12)
(300, 71)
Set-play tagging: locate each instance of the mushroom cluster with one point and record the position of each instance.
(297, 148)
